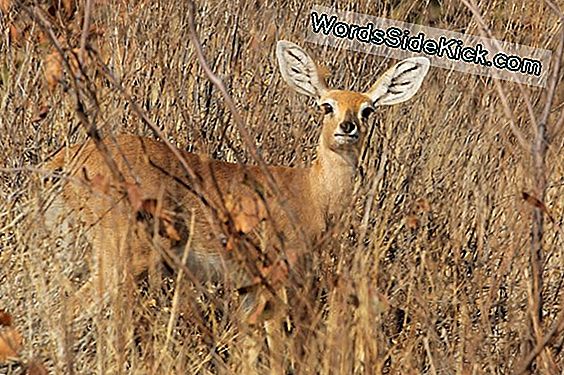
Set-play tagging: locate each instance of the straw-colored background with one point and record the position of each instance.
(448, 235)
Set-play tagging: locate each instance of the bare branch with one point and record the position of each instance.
(555, 8)
(85, 29)
(557, 327)
(90, 126)
(240, 122)
(486, 33)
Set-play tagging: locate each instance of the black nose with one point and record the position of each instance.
(348, 127)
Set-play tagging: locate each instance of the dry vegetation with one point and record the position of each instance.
(439, 227)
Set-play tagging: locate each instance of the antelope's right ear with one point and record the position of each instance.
(299, 70)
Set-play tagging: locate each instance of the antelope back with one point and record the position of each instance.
(238, 227)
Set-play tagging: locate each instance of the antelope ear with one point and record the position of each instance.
(299, 70)
(400, 82)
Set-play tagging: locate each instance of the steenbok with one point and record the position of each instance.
(246, 225)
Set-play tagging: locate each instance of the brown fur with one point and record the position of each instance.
(311, 196)
(229, 203)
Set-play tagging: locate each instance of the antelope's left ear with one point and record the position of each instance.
(400, 82)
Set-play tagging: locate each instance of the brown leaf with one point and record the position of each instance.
(54, 65)
(36, 368)
(73, 59)
(412, 221)
(277, 273)
(422, 205)
(171, 231)
(100, 183)
(247, 212)
(62, 8)
(69, 6)
(5, 6)
(230, 244)
(40, 113)
(168, 223)
(254, 316)
(134, 196)
(53, 69)
(43, 38)
(15, 35)
(535, 202)
(10, 344)
(271, 33)
(5, 319)
(150, 206)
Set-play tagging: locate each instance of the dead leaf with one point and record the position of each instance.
(43, 39)
(422, 205)
(36, 368)
(15, 35)
(247, 212)
(254, 316)
(270, 33)
(40, 113)
(62, 8)
(5, 319)
(150, 206)
(276, 273)
(230, 244)
(171, 231)
(412, 221)
(134, 196)
(535, 202)
(69, 6)
(10, 344)
(53, 69)
(74, 57)
(5, 6)
(101, 183)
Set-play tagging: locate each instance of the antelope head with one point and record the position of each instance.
(346, 112)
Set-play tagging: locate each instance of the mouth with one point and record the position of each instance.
(346, 137)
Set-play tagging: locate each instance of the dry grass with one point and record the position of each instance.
(447, 234)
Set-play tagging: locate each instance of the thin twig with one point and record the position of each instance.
(557, 327)
(432, 368)
(85, 30)
(271, 181)
(90, 126)
(553, 82)
(176, 297)
(538, 150)
(486, 33)
(555, 8)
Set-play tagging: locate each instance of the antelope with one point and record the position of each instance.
(193, 200)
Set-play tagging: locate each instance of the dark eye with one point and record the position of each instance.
(327, 108)
(366, 112)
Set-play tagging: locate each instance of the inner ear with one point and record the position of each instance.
(299, 70)
(400, 82)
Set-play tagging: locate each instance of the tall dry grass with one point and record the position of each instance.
(439, 226)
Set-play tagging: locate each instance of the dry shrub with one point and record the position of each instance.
(433, 278)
